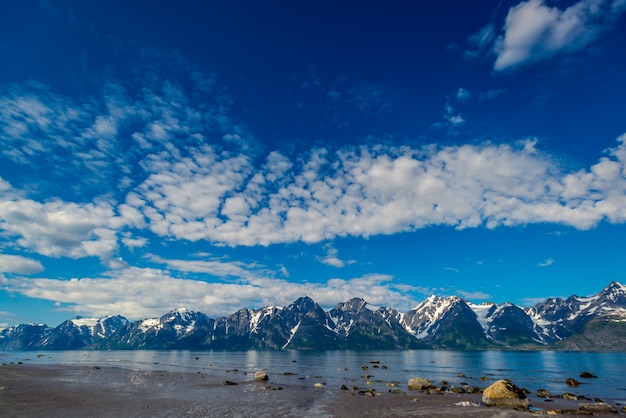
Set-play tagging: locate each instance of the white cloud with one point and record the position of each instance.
(57, 228)
(18, 264)
(546, 263)
(463, 94)
(474, 295)
(142, 292)
(534, 31)
(332, 259)
(378, 190)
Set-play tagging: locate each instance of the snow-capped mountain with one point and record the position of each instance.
(597, 321)
(446, 322)
(362, 326)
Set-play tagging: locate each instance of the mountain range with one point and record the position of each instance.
(575, 323)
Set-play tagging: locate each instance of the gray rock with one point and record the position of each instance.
(418, 383)
(599, 407)
(261, 376)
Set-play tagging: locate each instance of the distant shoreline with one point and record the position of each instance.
(28, 390)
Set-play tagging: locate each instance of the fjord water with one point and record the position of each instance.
(532, 370)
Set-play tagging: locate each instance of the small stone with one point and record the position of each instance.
(318, 385)
(396, 391)
(587, 375)
(95, 367)
(415, 399)
(569, 396)
(261, 376)
(344, 387)
(543, 393)
(229, 383)
(572, 382)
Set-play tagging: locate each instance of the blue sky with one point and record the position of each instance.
(243, 154)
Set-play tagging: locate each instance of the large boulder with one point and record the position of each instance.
(504, 393)
(261, 376)
(418, 383)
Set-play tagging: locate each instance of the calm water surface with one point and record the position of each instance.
(532, 370)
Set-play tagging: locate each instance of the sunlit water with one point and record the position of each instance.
(532, 370)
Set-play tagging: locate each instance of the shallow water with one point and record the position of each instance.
(532, 370)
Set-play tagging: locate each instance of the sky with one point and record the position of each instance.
(222, 155)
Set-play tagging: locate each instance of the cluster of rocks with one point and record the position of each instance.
(502, 393)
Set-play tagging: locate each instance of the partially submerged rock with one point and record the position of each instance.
(504, 393)
(418, 383)
(572, 382)
(599, 407)
(261, 376)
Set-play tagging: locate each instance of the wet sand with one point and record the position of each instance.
(77, 391)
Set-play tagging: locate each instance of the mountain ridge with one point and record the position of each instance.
(578, 323)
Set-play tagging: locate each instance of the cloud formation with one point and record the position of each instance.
(147, 292)
(18, 264)
(375, 190)
(534, 31)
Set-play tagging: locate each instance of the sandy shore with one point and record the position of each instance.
(77, 391)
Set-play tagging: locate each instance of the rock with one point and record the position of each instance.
(572, 382)
(542, 393)
(344, 387)
(505, 393)
(229, 383)
(318, 385)
(568, 412)
(624, 409)
(587, 375)
(261, 376)
(418, 383)
(368, 392)
(569, 396)
(599, 407)
(396, 391)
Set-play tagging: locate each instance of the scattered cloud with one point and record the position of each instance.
(331, 258)
(533, 31)
(18, 264)
(463, 94)
(452, 269)
(546, 263)
(491, 94)
(476, 295)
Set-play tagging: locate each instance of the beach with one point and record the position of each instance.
(28, 390)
